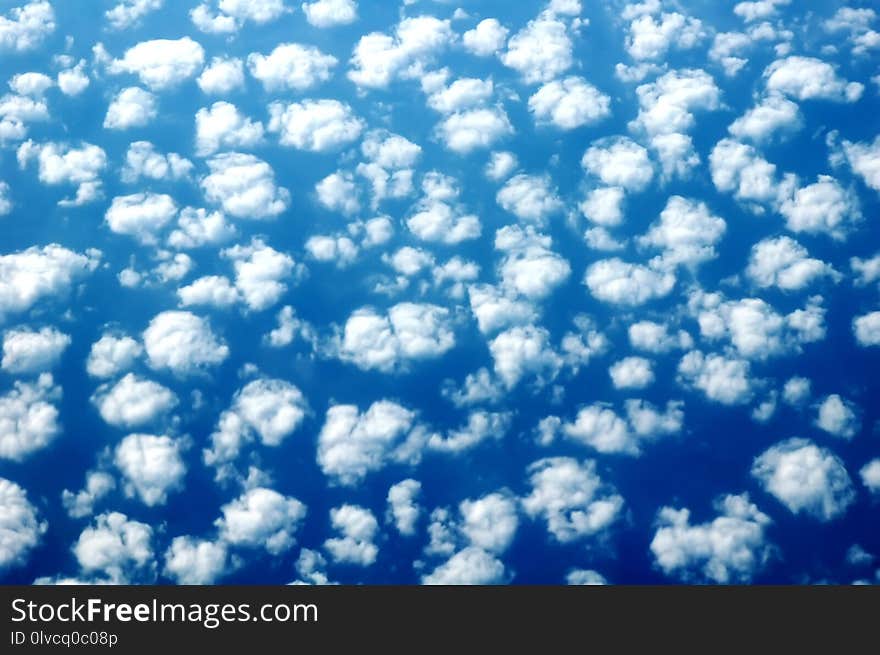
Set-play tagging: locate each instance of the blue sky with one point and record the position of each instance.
(437, 292)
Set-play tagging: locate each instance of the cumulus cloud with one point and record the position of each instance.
(524, 350)
(133, 402)
(530, 198)
(291, 67)
(866, 329)
(468, 130)
(619, 162)
(822, 207)
(161, 63)
(530, 268)
(631, 373)
(119, 547)
(329, 13)
(222, 76)
(223, 126)
(32, 351)
(142, 160)
(438, 216)
(141, 215)
(244, 186)
(686, 233)
(805, 478)
(191, 561)
(112, 354)
(357, 527)
(469, 566)
(229, 16)
(722, 379)
(131, 107)
(60, 163)
(540, 51)
(128, 13)
(81, 504)
(569, 103)
(261, 518)
(486, 39)
(20, 526)
(151, 466)
(808, 78)
(260, 273)
(784, 263)
(24, 28)
(773, 114)
(314, 125)
(838, 417)
(732, 548)
(622, 283)
(403, 507)
(28, 418)
(650, 38)
(182, 343)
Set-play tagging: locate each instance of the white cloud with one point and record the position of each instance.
(73, 81)
(463, 93)
(604, 206)
(599, 427)
(192, 561)
(784, 263)
(211, 290)
(796, 390)
(501, 164)
(569, 103)
(619, 162)
(183, 343)
(494, 309)
(231, 15)
(111, 355)
(530, 268)
(338, 192)
(728, 50)
(410, 331)
(339, 249)
(655, 338)
(865, 271)
(667, 105)
(774, 114)
(28, 419)
(6, 204)
(838, 417)
(222, 76)
(486, 39)
(808, 78)
(29, 351)
(823, 207)
(291, 67)
(143, 161)
(161, 63)
(128, 13)
(687, 232)
(39, 273)
(20, 525)
(223, 126)
(329, 13)
(480, 427)
(403, 507)
(759, 9)
(732, 548)
(244, 186)
(531, 198)
(805, 478)
(478, 388)
(260, 271)
(315, 125)
(631, 373)
(438, 217)
(64, 164)
(378, 58)
(490, 522)
(30, 84)
(133, 402)
(151, 465)
(197, 228)
(738, 168)
(867, 329)
(571, 497)
(141, 215)
(469, 566)
(116, 546)
(352, 444)
(622, 283)
(131, 107)
(357, 527)
(585, 577)
(864, 159)
(81, 504)
(261, 518)
(24, 28)
(870, 474)
(540, 51)
(465, 131)
(722, 379)
(650, 39)
(524, 350)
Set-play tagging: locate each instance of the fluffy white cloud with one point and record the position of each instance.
(490, 522)
(599, 427)
(222, 76)
(655, 338)
(494, 309)
(152, 467)
(211, 290)
(604, 205)
(223, 126)
(81, 504)
(864, 159)
(352, 444)
(469, 566)
(338, 192)
(357, 527)
(438, 216)
(291, 67)
(378, 58)
(117, 546)
(28, 419)
(266, 409)
(867, 329)
(530, 268)
(111, 355)
(531, 198)
(774, 114)
(722, 379)
(410, 331)
(838, 417)
(38, 273)
(823, 207)
(524, 350)
(141, 215)
(64, 164)
(571, 497)
(540, 51)
(870, 474)
(651, 39)
(197, 228)
(732, 548)
(782, 262)
(465, 131)
(183, 343)
(501, 164)
(631, 373)
(231, 15)
(128, 13)
(133, 402)
(142, 160)
(667, 105)
(486, 39)
(24, 28)
(686, 233)
(463, 93)
(758, 9)
(73, 81)
(161, 63)
(808, 78)
(403, 507)
(131, 107)
(5, 199)
(480, 427)
(339, 249)
(619, 162)
(30, 84)
(569, 103)
(244, 186)
(805, 478)
(260, 271)
(261, 518)
(738, 168)
(29, 351)
(20, 525)
(622, 283)
(329, 13)
(192, 561)
(314, 125)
